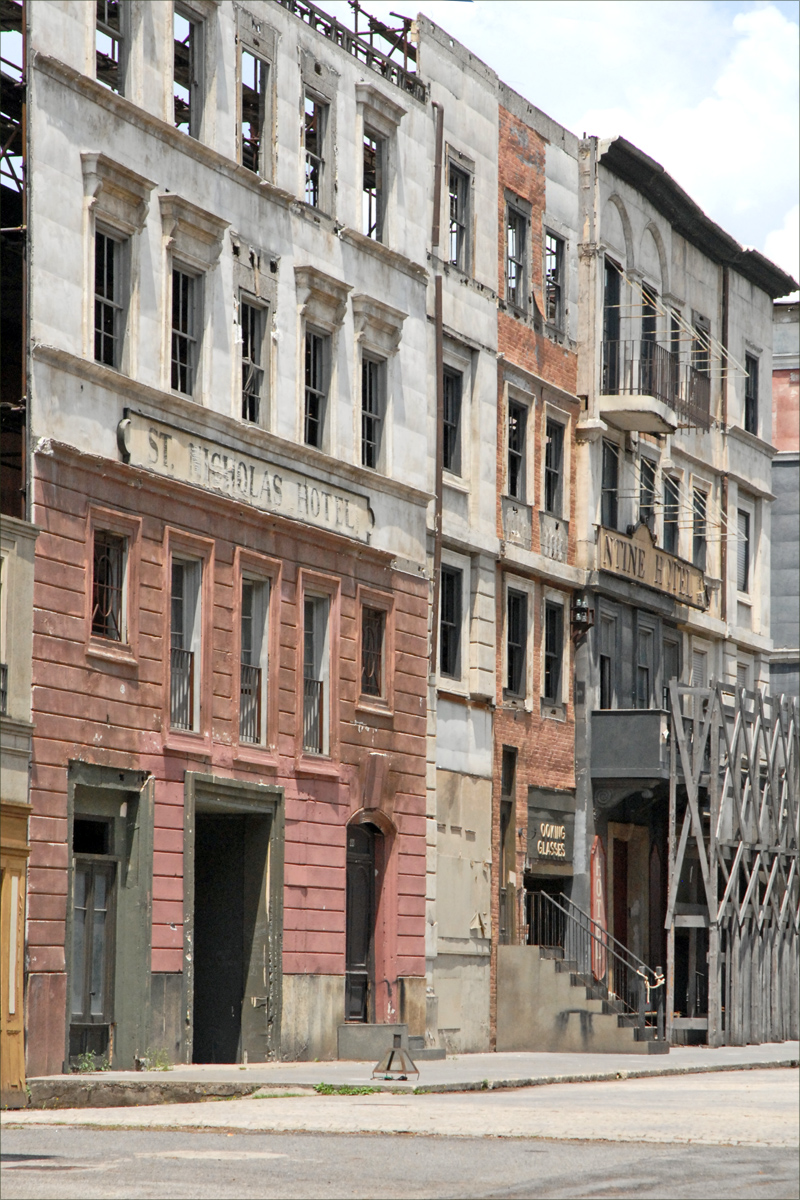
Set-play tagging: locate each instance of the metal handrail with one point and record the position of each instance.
(181, 688)
(313, 699)
(599, 958)
(642, 367)
(250, 703)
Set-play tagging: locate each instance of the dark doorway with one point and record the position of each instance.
(621, 891)
(230, 938)
(360, 923)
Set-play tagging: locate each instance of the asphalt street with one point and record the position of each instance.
(39, 1163)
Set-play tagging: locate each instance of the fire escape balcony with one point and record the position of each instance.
(647, 389)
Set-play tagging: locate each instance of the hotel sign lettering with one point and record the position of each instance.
(188, 458)
(637, 558)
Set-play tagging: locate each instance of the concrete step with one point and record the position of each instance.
(422, 1053)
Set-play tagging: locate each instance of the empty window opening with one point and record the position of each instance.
(109, 44)
(671, 511)
(252, 324)
(517, 423)
(553, 651)
(554, 279)
(743, 551)
(255, 75)
(252, 665)
(553, 467)
(451, 431)
(609, 492)
(372, 193)
(458, 195)
(316, 388)
(647, 492)
(107, 586)
(316, 692)
(671, 669)
(315, 117)
(699, 528)
(184, 644)
(185, 323)
(516, 244)
(187, 61)
(90, 836)
(450, 623)
(108, 309)
(370, 412)
(373, 626)
(751, 394)
(516, 642)
(611, 329)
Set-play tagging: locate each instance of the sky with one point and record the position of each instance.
(708, 88)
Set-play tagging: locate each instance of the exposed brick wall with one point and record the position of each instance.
(786, 410)
(103, 713)
(545, 747)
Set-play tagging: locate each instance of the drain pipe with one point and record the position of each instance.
(438, 328)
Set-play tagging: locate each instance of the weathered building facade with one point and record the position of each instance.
(228, 457)
(785, 589)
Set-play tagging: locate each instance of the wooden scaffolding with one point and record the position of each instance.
(733, 833)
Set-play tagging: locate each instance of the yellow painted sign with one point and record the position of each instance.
(638, 558)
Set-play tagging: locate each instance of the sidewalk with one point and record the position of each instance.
(462, 1073)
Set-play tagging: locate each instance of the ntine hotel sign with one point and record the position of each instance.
(637, 558)
(187, 458)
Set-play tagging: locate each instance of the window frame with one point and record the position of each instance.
(125, 651)
(747, 507)
(452, 462)
(316, 190)
(459, 219)
(608, 689)
(107, 539)
(250, 566)
(554, 282)
(325, 343)
(648, 467)
(553, 493)
(457, 569)
(120, 36)
(119, 303)
(517, 264)
(609, 450)
(556, 703)
(191, 632)
(520, 491)
(374, 419)
(377, 196)
(258, 650)
(194, 340)
(373, 599)
(315, 587)
(752, 364)
(187, 547)
(700, 517)
(524, 590)
(197, 51)
(261, 164)
(262, 311)
(669, 481)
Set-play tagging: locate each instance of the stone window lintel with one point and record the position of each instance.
(192, 233)
(322, 299)
(116, 192)
(377, 324)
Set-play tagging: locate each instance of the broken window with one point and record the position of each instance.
(314, 123)
(254, 78)
(251, 319)
(187, 71)
(554, 281)
(108, 573)
(186, 325)
(371, 379)
(516, 641)
(517, 425)
(458, 193)
(108, 307)
(516, 245)
(110, 44)
(373, 194)
(451, 430)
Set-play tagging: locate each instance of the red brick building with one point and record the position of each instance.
(537, 409)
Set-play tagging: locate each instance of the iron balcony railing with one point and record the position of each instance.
(3, 689)
(181, 688)
(632, 989)
(250, 703)
(636, 367)
(313, 693)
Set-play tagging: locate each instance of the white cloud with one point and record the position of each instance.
(708, 88)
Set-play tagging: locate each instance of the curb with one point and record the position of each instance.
(84, 1093)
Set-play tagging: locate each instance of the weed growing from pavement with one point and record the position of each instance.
(343, 1089)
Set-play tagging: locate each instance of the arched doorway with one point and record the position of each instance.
(361, 906)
